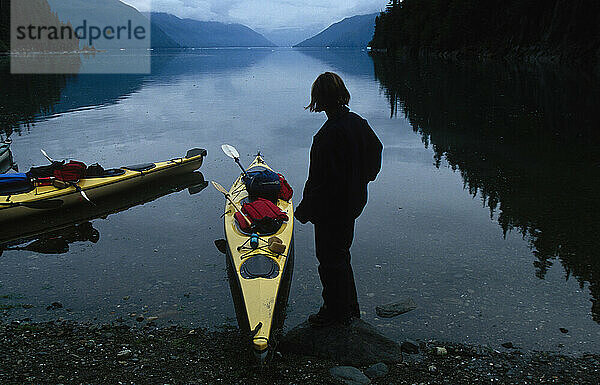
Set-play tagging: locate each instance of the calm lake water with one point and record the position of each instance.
(485, 212)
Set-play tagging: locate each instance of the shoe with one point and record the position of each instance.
(322, 318)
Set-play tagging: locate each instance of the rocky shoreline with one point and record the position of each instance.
(65, 352)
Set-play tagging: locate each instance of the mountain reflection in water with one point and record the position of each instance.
(27, 98)
(524, 138)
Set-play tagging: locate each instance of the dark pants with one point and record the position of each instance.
(332, 246)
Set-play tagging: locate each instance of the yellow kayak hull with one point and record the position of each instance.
(260, 301)
(18, 206)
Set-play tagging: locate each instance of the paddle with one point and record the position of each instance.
(46, 156)
(83, 194)
(75, 185)
(226, 193)
(58, 183)
(231, 152)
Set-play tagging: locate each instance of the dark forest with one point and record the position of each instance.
(569, 28)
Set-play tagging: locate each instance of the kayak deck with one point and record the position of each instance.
(259, 278)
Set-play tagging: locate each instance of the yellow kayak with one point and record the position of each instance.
(43, 198)
(259, 278)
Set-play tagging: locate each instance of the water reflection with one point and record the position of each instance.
(23, 97)
(27, 98)
(57, 242)
(51, 232)
(6, 157)
(349, 61)
(524, 139)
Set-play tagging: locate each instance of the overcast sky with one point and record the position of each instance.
(265, 15)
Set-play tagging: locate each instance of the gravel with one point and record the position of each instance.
(71, 353)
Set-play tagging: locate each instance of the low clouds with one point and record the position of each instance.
(264, 14)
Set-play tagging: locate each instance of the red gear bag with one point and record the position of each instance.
(70, 172)
(265, 216)
(285, 191)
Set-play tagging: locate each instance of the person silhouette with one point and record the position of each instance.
(344, 157)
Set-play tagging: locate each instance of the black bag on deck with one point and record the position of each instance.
(44, 171)
(94, 170)
(262, 183)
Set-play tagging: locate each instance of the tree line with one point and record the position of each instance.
(38, 12)
(491, 25)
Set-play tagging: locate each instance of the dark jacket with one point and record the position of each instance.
(345, 156)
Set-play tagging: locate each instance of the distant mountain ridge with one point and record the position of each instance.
(167, 31)
(355, 31)
(195, 33)
(109, 12)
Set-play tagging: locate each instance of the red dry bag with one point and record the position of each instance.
(264, 215)
(285, 191)
(70, 172)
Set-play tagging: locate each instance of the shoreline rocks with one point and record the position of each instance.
(349, 375)
(356, 344)
(68, 352)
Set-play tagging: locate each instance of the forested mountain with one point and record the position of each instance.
(569, 26)
(355, 31)
(195, 33)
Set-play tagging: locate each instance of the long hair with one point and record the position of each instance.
(328, 93)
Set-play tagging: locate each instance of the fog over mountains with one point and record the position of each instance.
(195, 33)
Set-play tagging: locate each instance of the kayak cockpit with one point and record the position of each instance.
(259, 266)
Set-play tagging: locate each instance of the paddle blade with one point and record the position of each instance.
(46, 156)
(219, 187)
(230, 151)
(84, 195)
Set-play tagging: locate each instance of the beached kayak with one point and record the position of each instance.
(259, 278)
(18, 205)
